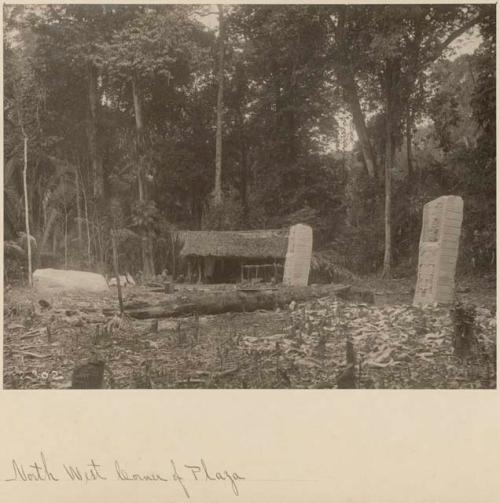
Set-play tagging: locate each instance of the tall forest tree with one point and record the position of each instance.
(220, 109)
(123, 102)
(388, 49)
(154, 44)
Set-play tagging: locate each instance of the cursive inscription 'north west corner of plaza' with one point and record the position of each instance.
(39, 469)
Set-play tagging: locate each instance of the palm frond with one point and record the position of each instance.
(126, 234)
(23, 242)
(12, 249)
(332, 265)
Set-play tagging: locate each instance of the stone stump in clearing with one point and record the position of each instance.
(438, 251)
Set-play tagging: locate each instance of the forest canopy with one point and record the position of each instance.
(145, 120)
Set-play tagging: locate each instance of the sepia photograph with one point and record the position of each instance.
(249, 196)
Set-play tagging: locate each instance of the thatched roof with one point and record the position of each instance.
(244, 244)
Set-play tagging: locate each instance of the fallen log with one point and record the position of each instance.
(242, 300)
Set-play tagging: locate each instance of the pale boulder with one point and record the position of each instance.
(57, 280)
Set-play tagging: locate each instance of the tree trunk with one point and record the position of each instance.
(386, 273)
(98, 233)
(93, 135)
(242, 301)
(146, 273)
(150, 254)
(348, 82)
(96, 160)
(139, 126)
(292, 147)
(78, 207)
(117, 270)
(48, 228)
(200, 269)
(26, 209)
(409, 125)
(220, 105)
(351, 96)
(243, 170)
(65, 238)
(173, 240)
(98, 238)
(54, 243)
(86, 209)
(389, 153)
(146, 241)
(241, 86)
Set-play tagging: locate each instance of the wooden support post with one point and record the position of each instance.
(241, 270)
(190, 270)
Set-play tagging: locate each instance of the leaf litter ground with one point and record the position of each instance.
(396, 345)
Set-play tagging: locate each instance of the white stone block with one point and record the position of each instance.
(298, 256)
(438, 251)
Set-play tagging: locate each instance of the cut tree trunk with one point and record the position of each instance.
(242, 300)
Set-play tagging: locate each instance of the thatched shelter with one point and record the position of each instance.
(247, 244)
(223, 255)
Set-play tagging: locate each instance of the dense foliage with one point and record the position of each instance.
(119, 104)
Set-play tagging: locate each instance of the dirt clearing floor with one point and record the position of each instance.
(395, 344)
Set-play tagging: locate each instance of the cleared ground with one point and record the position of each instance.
(304, 346)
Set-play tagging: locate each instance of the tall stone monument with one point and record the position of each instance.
(438, 252)
(298, 255)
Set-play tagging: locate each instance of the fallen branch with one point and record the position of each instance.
(28, 353)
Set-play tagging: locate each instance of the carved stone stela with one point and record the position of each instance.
(438, 251)
(298, 256)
